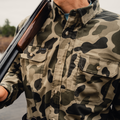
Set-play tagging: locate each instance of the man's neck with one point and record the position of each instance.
(68, 5)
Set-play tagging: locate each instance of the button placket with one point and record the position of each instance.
(59, 61)
(52, 115)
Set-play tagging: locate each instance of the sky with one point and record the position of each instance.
(17, 10)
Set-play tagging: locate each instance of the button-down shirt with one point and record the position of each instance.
(70, 71)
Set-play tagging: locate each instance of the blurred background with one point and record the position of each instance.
(11, 14)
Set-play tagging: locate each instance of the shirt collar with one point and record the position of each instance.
(86, 13)
(90, 1)
(67, 14)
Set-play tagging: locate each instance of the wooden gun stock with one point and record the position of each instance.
(24, 36)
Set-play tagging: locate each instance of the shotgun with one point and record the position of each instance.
(24, 36)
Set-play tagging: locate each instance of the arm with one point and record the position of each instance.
(11, 86)
(24, 36)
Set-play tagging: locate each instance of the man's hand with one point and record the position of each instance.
(3, 93)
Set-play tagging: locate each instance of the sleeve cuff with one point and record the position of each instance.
(10, 90)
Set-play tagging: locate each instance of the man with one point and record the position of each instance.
(70, 71)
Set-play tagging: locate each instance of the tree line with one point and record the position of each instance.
(6, 30)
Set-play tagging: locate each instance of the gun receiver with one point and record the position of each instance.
(24, 36)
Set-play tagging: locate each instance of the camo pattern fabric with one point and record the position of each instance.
(70, 71)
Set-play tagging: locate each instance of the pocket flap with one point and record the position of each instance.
(35, 53)
(99, 67)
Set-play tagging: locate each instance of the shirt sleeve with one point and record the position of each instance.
(12, 82)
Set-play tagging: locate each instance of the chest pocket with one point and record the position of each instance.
(37, 54)
(94, 80)
(98, 67)
(33, 63)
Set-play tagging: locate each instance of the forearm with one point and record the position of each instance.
(12, 83)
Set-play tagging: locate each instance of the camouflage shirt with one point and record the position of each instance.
(70, 71)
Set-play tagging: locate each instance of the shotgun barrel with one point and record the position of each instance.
(24, 36)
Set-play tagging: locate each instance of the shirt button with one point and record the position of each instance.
(59, 61)
(98, 67)
(55, 91)
(31, 54)
(66, 33)
(53, 119)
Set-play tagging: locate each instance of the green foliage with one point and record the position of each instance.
(0, 30)
(7, 30)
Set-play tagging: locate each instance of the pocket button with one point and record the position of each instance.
(98, 67)
(31, 54)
